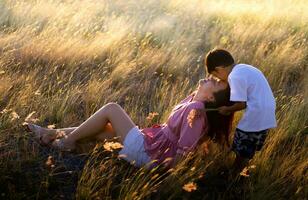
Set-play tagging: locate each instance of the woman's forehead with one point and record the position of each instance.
(213, 80)
(216, 83)
(219, 83)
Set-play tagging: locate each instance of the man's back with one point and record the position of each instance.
(248, 84)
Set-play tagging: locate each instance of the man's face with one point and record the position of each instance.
(221, 73)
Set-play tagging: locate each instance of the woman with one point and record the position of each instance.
(185, 127)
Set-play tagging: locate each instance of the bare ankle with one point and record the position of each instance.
(60, 134)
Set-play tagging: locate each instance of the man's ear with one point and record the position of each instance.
(218, 68)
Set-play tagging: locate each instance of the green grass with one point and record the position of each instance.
(65, 59)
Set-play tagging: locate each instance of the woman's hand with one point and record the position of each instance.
(195, 114)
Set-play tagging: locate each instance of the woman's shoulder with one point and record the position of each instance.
(189, 103)
(195, 105)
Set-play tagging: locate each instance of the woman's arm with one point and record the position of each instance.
(192, 129)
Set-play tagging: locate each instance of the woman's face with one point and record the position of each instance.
(207, 88)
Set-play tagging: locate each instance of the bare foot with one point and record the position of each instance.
(64, 144)
(43, 135)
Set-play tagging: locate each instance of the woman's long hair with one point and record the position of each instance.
(219, 126)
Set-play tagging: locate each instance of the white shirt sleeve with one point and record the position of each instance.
(238, 86)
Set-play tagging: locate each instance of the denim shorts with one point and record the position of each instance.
(245, 144)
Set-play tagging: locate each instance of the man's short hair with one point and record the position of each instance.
(218, 57)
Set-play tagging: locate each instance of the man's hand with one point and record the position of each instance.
(227, 110)
(224, 110)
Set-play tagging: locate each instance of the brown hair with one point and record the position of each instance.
(219, 126)
(218, 57)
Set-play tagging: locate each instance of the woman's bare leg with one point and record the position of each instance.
(89, 143)
(47, 135)
(107, 133)
(86, 145)
(83, 145)
(113, 113)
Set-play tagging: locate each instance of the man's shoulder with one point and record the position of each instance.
(243, 68)
(240, 70)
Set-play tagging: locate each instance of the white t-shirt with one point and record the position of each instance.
(248, 84)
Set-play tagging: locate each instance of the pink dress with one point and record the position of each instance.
(177, 135)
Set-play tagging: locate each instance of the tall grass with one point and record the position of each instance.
(65, 59)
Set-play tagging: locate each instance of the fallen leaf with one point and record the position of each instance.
(189, 187)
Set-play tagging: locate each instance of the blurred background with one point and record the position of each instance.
(64, 59)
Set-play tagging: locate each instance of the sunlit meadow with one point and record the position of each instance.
(61, 60)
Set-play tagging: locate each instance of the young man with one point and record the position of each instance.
(250, 91)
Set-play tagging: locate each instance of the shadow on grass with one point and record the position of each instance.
(50, 174)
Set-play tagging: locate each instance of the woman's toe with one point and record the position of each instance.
(40, 134)
(25, 125)
(34, 129)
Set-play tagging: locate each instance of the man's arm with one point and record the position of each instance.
(227, 110)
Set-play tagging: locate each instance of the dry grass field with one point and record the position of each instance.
(64, 59)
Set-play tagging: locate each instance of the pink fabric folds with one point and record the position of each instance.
(177, 135)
